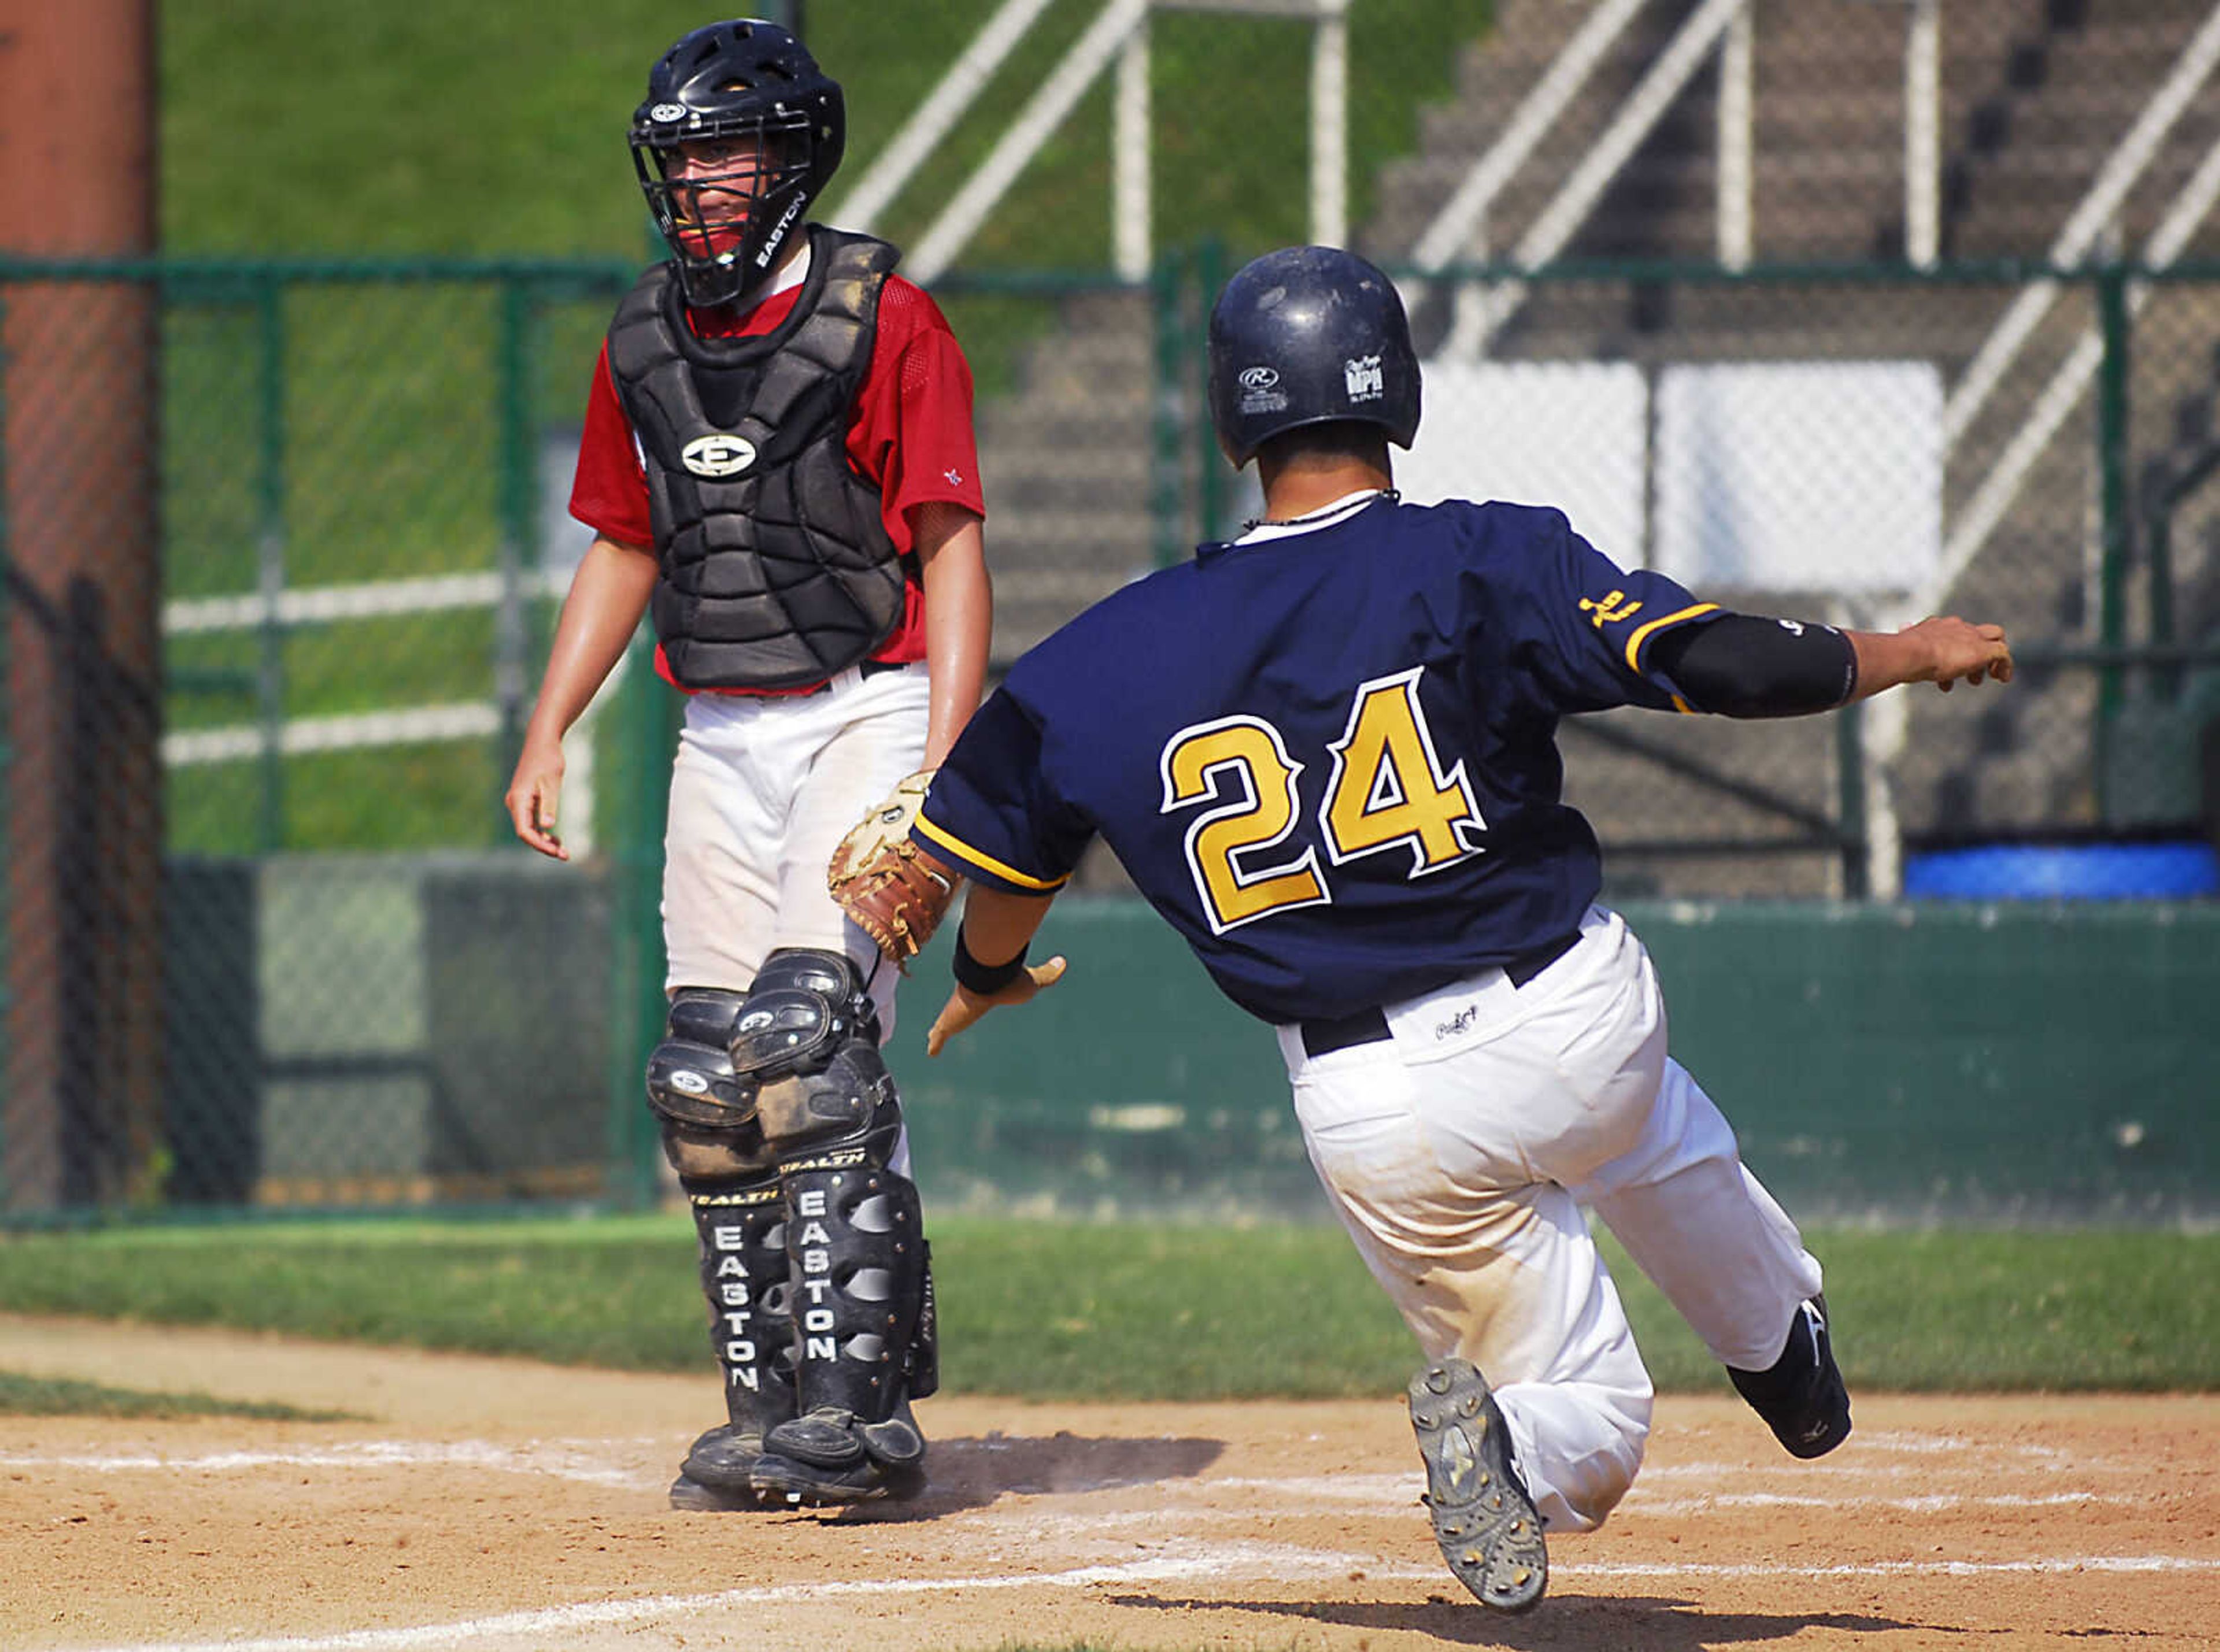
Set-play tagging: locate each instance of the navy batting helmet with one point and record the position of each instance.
(1304, 336)
(761, 128)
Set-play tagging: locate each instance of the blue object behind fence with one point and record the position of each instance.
(2127, 871)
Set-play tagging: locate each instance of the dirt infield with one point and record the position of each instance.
(518, 1508)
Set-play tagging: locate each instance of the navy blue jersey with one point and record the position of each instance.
(1329, 757)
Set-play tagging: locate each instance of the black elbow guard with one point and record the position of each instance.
(1746, 665)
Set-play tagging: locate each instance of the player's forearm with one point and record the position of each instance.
(1941, 650)
(959, 620)
(607, 595)
(999, 925)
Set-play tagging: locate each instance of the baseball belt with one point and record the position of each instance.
(1370, 1025)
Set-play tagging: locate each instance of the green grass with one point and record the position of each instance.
(27, 1396)
(497, 127)
(1136, 1312)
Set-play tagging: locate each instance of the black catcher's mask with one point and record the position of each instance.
(765, 127)
(1309, 335)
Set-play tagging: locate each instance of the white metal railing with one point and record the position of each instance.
(1887, 721)
(299, 736)
(1459, 228)
(373, 600)
(1119, 35)
(1985, 509)
(1463, 215)
(2089, 220)
(1567, 209)
(911, 147)
(466, 719)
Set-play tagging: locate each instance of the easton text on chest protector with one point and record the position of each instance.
(777, 570)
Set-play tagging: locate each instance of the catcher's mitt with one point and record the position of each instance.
(894, 891)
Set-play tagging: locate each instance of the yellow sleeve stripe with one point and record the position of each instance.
(1642, 632)
(963, 852)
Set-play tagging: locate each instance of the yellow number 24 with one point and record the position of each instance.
(1388, 789)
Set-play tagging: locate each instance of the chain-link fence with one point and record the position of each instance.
(283, 543)
(284, 539)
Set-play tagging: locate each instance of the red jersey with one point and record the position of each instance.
(910, 434)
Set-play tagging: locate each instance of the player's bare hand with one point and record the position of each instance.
(965, 1007)
(1961, 652)
(535, 792)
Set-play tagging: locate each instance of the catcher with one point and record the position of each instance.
(778, 463)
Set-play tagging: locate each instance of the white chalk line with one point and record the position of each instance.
(567, 1461)
(587, 1461)
(1266, 1562)
(2049, 1566)
(1275, 1562)
(1934, 1503)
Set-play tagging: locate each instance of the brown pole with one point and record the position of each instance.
(80, 1114)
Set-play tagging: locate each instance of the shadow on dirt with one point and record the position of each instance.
(1563, 1623)
(972, 1473)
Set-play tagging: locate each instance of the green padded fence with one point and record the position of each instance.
(1924, 1061)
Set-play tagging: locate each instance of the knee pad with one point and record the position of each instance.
(807, 1041)
(691, 1080)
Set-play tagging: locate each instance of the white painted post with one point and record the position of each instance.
(1738, 72)
(1922, 134)
(1130, 232)
(1330, 125)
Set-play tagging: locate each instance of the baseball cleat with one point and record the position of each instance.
(783, 1482)
(721, 1459)
(1483, 1518)
(825, 1457)
(691, 1496)
(1801, 1395)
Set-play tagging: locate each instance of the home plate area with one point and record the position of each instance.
(541, 1525)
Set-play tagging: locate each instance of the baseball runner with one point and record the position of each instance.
(779, 464)
(1325, 752)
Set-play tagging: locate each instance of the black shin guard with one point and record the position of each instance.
(861, 1290)
(713, 1140)
(857, 1257)
(742, 1230)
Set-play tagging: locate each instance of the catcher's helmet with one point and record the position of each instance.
(751, 94)
(1304, 336)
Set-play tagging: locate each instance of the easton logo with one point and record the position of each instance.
(777, 236)
(667, 112)
(691, 1083)
(718, 454)
(1259, 378)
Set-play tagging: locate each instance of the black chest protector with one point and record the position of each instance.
(775, 567)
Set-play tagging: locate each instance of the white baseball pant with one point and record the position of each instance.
(763, 788)
(1459, 1152)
